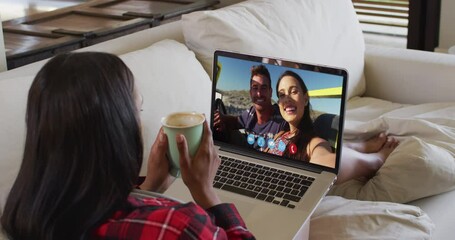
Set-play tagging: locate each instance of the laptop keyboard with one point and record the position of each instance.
(261, 182)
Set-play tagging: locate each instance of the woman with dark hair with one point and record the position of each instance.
(360, 160)
(293, 101)
(82, 157)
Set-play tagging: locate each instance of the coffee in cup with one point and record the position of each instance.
(188, 124)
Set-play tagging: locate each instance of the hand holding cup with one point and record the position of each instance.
(198, 172)
(188, 124)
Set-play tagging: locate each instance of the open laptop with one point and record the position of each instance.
(274, 192)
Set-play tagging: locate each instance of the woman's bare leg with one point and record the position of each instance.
(359, 165)
(371, 145)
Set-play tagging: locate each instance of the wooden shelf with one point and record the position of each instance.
(41, 36)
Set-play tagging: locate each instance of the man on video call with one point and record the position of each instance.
(262, 120)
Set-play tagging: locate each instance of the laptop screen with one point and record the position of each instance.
(276, 107)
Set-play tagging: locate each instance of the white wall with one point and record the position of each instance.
(447, 26)
(2, 49)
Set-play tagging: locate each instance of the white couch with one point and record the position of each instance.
(407, 93)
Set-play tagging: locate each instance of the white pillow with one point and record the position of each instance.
(170, 79)
(316, 31)
(338, 218)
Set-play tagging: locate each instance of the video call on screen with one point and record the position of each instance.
(234, 98)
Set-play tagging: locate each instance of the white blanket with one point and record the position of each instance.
(424, 162)
(337, 218)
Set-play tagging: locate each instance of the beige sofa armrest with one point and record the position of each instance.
(409, 76)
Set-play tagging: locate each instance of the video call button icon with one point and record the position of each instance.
(250, 139)
(271, 143)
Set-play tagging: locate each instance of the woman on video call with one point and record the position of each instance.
(360, 160)
(301, 141)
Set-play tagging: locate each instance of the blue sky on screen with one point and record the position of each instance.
(235, 75)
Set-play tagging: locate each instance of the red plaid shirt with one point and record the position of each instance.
(161, 218)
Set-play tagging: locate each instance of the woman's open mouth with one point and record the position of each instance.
(291, 110)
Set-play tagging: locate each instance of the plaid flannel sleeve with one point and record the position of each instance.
(165, 219)
(228, 218)
(219, 222)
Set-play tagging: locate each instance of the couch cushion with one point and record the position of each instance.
(316, 31)
(170, 79)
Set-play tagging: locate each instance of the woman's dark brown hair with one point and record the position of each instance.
(83, 148)
(305, 128)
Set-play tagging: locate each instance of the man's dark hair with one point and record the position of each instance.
(260, 70)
